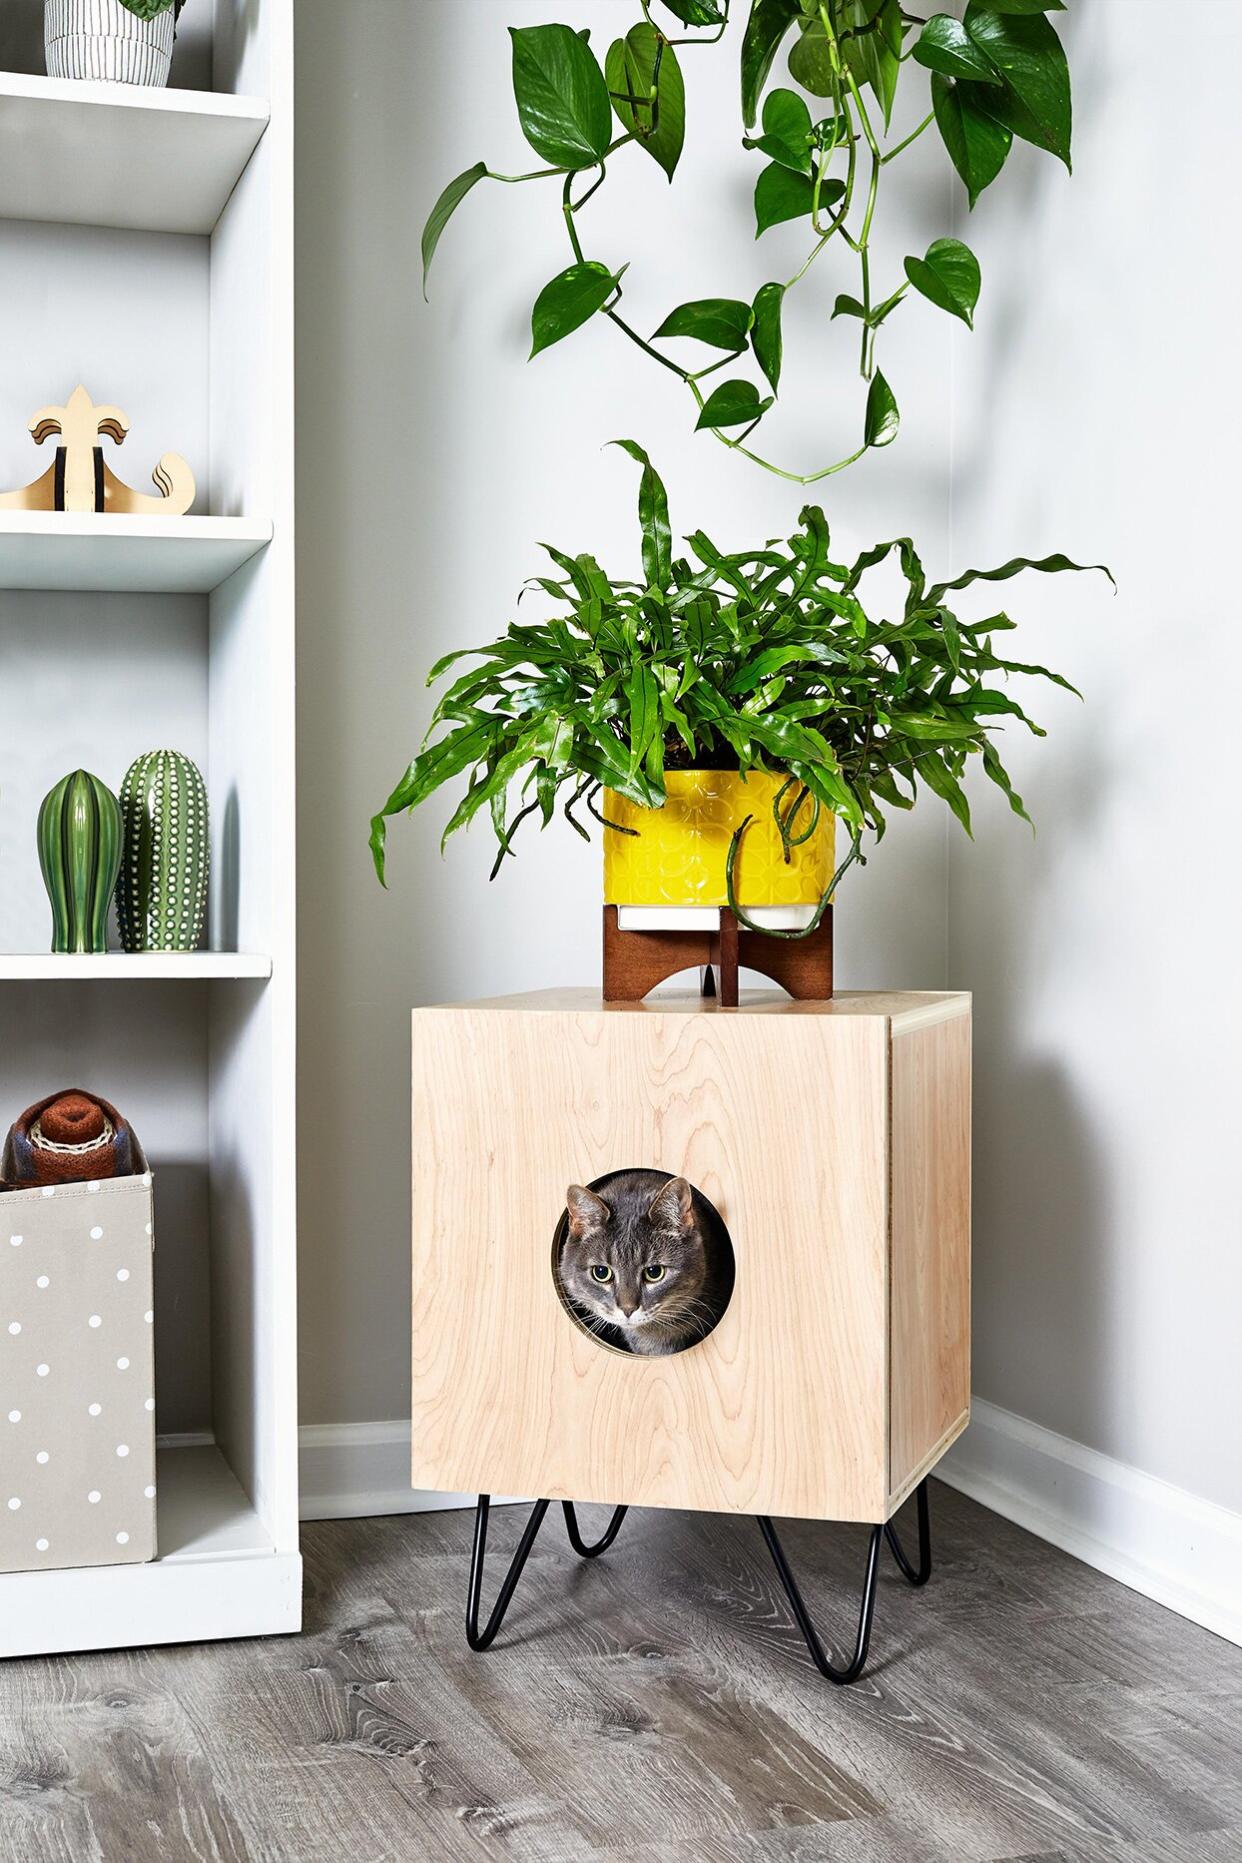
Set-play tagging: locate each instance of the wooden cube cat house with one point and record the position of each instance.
(833, 1138)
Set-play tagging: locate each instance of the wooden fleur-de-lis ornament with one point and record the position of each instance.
(79, 478)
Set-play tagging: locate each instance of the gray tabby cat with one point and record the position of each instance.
(641, 1264)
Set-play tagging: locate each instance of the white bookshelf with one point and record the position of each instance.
(130, 555)
(128, 967)
(146, 239)
(122, 155)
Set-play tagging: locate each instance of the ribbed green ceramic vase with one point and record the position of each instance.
(80, 854)
(161, 899)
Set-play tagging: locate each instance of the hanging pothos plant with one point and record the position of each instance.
(764, 658)
(998, 72)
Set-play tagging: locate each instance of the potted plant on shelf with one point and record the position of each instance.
(123, 41)
(719, 715)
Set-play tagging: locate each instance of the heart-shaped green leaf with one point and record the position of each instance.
(765, 332)
(810, 60)
(767, 25)
(782, 195)
(733, 404)
(949, 277)
(567, 301)
(882, 420)
(562, 99)
(709, 12)
(786, 131)
(1035, 100)
(945, 45)
(1028, 6)
(443, 211)
(846, 306)
(722, 322)
(977, 143)
(659, 123)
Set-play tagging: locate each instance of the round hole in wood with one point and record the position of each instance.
(642, 1262)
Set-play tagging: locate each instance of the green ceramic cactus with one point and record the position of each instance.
(161, 898)
(80, 854)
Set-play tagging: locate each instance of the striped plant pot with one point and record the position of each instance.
(80, 855)
(161, 898)
(103, 39)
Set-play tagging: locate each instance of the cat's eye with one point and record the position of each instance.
(653, 1272)
(600, 1272)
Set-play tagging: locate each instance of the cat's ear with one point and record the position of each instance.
(673, 1206)
(588, 1213)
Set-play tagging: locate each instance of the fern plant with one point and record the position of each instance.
(767, 658)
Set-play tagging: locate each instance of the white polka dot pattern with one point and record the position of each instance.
(76, 1370)
(161, 895)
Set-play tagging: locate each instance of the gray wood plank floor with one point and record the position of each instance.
(656, 1706)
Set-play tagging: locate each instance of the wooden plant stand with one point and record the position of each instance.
(636, 961)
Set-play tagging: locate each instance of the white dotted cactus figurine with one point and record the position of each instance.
(161, 896)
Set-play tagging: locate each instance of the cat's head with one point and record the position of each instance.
(635, 1256)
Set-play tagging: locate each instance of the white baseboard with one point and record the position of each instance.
(1158, 1539)
(349, 1470)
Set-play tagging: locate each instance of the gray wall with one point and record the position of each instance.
(431, 458)
(1095, 413)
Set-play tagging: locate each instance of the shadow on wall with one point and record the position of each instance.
(1044, 1233)
(1048, 1267)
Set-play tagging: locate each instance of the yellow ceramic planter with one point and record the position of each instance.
(678, 855)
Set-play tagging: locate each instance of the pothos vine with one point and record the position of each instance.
(998, 72)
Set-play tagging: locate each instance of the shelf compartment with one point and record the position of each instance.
(217, 1575)
(132, 967)
(120, 155)
(124, 555)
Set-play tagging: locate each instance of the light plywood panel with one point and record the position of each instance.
(904, 1009)
(930, 1383)
(782, 1121)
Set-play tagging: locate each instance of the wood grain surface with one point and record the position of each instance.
(783, 1123)
(930, 1262)
(654, 1707)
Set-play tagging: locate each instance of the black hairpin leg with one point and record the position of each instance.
(915, 1575)
(919, 1575)
(601, 1545)
(483, 1639)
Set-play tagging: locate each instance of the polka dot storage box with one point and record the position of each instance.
(77, 1390)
